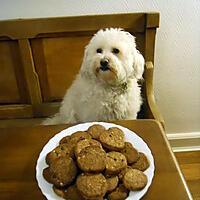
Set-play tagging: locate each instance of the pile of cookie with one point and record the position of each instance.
(96, 164)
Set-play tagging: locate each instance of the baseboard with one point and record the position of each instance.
(184, 141)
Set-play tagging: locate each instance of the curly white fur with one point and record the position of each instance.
(101, 95)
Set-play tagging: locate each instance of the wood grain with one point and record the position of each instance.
(190, 165)
(16, 110)
(20, 148)
(9, 92)
(57, 61)
(30, 73)
(30, 28)
(152, 110)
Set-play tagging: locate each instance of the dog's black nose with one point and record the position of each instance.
(104, 64)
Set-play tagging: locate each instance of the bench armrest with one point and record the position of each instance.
(153, 108)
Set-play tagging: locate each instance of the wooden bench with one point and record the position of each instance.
(39, 59)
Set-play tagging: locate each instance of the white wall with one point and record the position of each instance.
(177, 61)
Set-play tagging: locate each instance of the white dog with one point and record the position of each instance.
(106, 87)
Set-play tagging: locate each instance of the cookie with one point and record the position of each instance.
(130, 153)
(115, 162)
(112, 139)
(72, 140)
(65, 139)
(59, 151)
(142, 163)
(75, 137)
(60, 192)
(62, 171)
(120, 193)
(95, 130)
(46, 175)
(134, 179)
(70, 193)
(112, 182)
(122, 172)
(85, 143)
(92, 159)
(92, 186)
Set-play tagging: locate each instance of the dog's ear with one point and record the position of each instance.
(138, 65)
(84, 67)
(138, 62)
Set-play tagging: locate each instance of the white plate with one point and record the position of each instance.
(130, 136)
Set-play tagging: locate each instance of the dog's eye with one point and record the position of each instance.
(115, 50)
(99, 50)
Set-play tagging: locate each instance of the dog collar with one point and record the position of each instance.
(124, 86)
(120, 89)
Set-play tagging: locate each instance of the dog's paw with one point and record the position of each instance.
(49, 121)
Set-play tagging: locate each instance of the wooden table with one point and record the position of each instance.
(20, 148)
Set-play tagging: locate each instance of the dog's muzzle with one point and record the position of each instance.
(104, 65)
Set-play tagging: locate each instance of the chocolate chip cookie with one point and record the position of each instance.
(142, 163)
(134, 179)
(85, 143)
(92, 159)
(112, 139)
(120, 193)
(112, 182)
(46, 175)
(92, 186)
(62, 171)
(130, 153)
(122, 172)
(70, 193)
(95, 130)
(60, 151)
(115, 162)
(75, 137)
